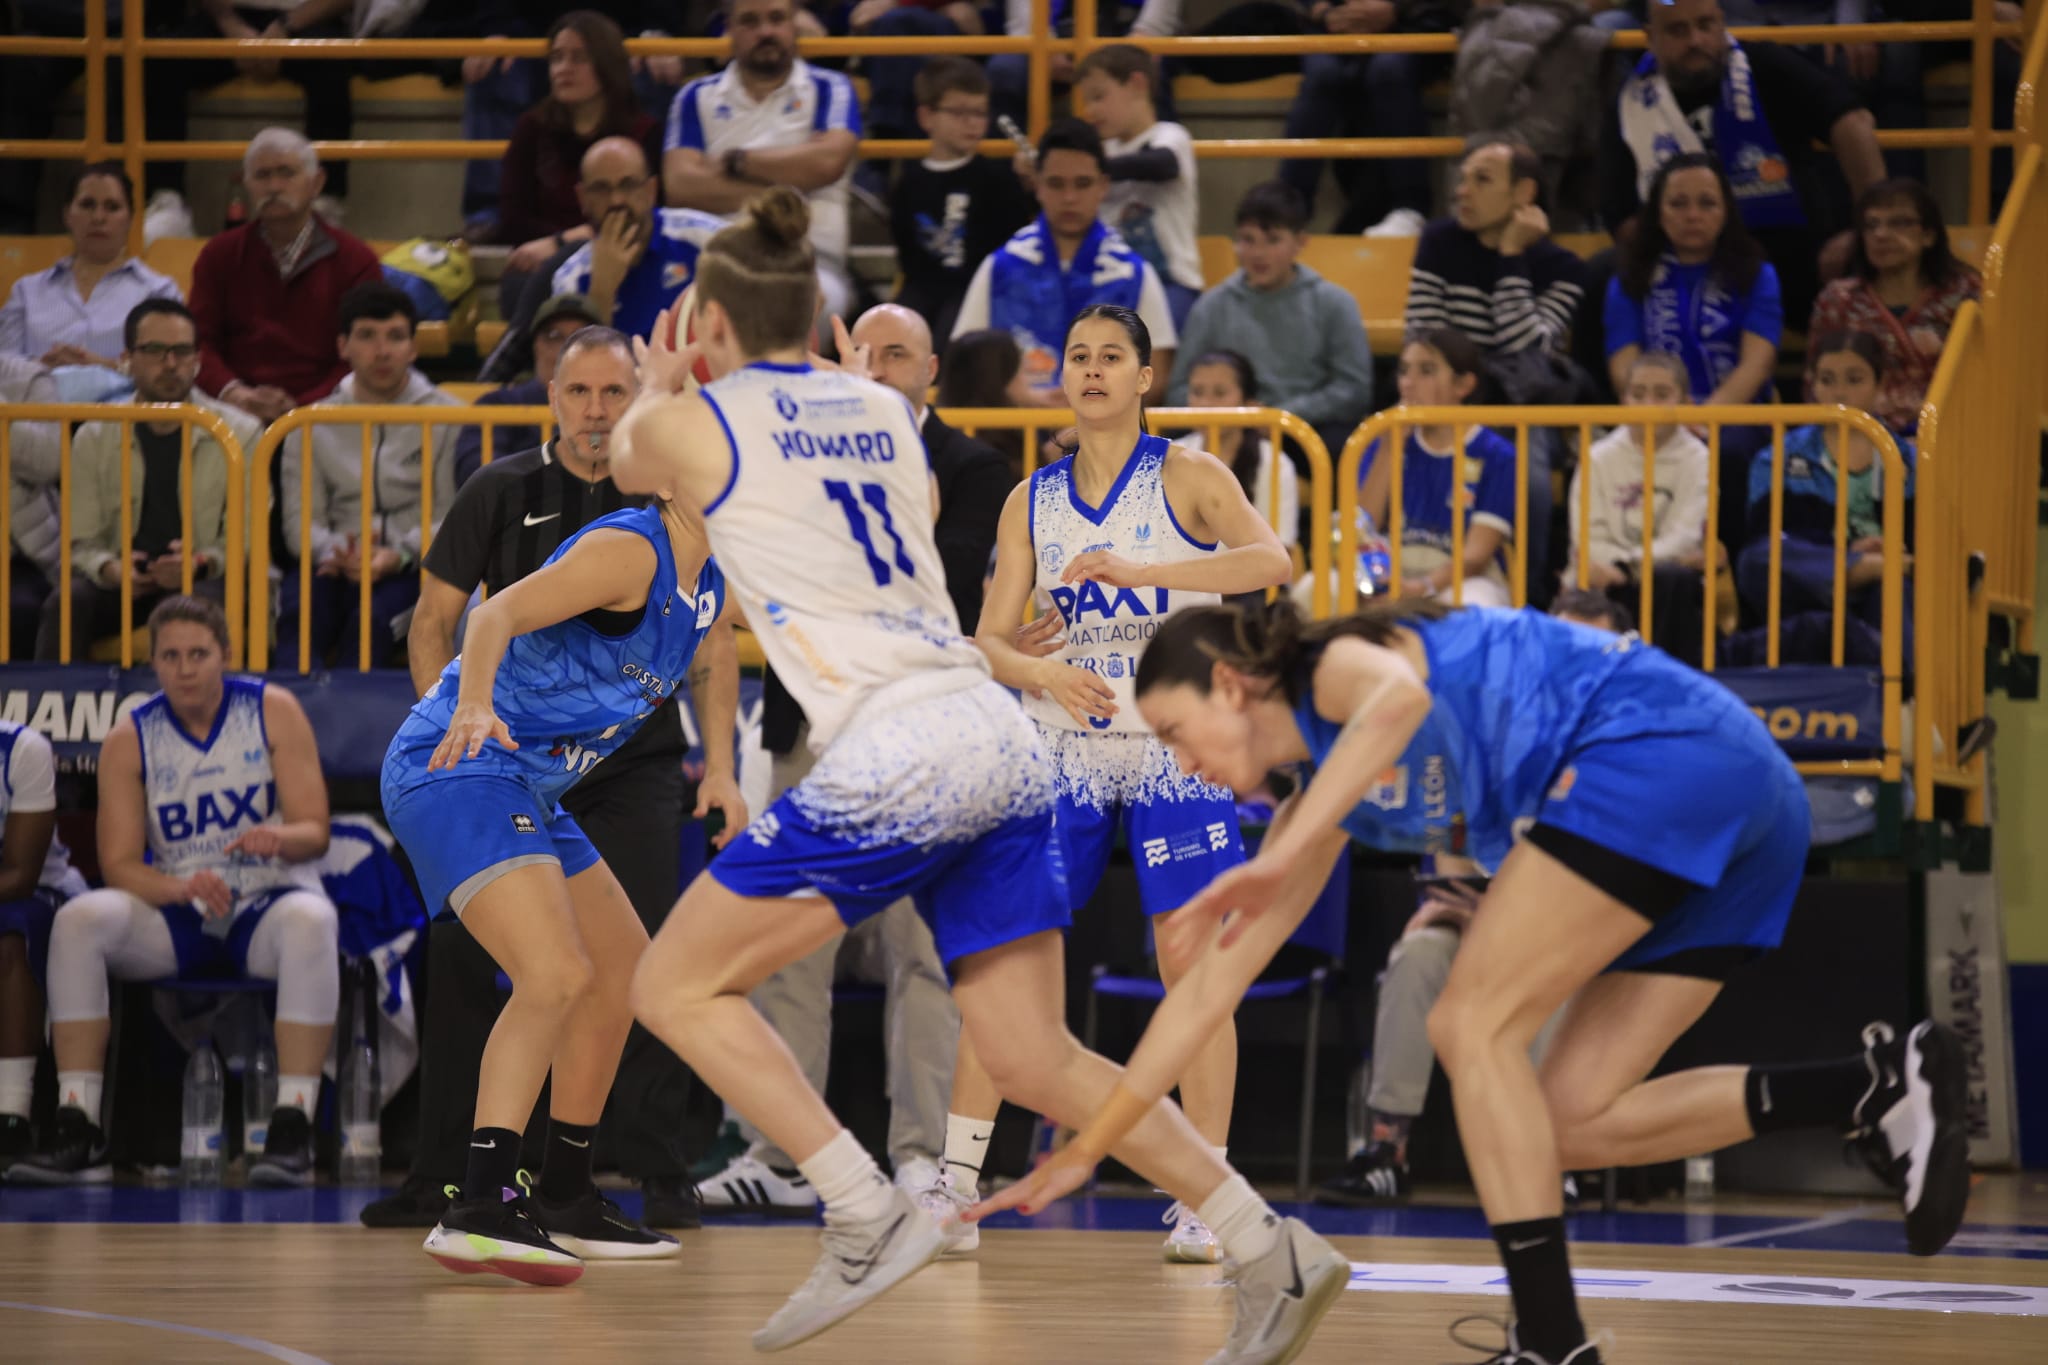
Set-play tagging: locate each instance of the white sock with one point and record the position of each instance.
(17, 1084)
(847, 1179)
(1243, 1223)
(298, 1092)
(966, 1149)
(81, 1090)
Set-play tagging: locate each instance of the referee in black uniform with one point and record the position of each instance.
(503, 525)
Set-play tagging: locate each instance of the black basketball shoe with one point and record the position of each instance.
(1911, 1127)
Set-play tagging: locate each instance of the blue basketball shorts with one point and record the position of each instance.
(937, 790)
(1182, 833)
(463, 831)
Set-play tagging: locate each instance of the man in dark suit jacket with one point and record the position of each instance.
(972, 480)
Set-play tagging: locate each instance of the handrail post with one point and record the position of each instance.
(1038, 90)
(131, 113)
(1981, 45)
(95, 81)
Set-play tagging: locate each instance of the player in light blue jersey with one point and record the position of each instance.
(1115, 538)
(1647, 837)
(930, 783)
(557, 671)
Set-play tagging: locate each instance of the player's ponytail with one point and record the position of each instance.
(1274, 641)
(762, 271)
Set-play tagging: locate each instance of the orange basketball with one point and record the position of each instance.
(683, 330)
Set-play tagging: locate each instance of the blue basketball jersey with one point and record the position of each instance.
(1513, 691)
(570, 693)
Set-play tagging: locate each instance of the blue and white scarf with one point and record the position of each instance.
(1033, 298)
(1656, 130)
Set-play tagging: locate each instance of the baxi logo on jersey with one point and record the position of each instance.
(221, 811)
(1107, 609)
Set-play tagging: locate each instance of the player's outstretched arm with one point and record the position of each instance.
(715, 696)
(605, 570)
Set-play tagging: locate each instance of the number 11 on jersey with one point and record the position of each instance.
(856, 504)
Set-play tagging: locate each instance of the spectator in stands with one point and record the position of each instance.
(985, 369)
(1904, 287)
(376, 341)
(1536, 71)
(1152, 198)
(171, 84)
(893, 97)
(1491, 271)
(1693, 282)
(162, 355)
(1757, 111)
(36, 877)
(1314, 358)
(499, 92)
(1371, 94)
(1009, 73)
(642, 256)
(1845, 368)
(1587, 608)
(208, 866)
(590, 97)
(920, 1021)
(1226, 379)
(956, 207)
(560, 318)
(1441, 368)
(1068, 259)
(73, 313)
(769, 118)
(1606, 507)
(35, 465)
(266, 294)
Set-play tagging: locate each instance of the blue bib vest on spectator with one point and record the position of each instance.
(1033, 297)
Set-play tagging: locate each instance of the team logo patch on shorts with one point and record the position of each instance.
(1219, 837)
(1156, 853)
(1562, 788)
(523, 824)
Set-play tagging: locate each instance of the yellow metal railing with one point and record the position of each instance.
(1389, 430)
(369, 417)
(1276, 424)
(1982, 32)
(188, 417)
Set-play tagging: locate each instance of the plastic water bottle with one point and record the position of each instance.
(1699, 1178)
(205, 1087)
(259, 1097)
(362, 1146)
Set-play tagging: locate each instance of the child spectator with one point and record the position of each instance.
(1609, 533)
(1225, 379)
(1440, 368)
(956, 207)
(1844, 368)
(1306, 331)
(1152, 199)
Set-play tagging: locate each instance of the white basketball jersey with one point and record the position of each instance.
(824, 531)
(1107, 627)
(28, 785)
(203, 793)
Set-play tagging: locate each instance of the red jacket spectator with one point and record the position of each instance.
(261, 328)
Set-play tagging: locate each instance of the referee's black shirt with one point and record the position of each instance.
(504, 524)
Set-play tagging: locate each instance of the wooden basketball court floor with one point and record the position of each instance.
(165, 1275)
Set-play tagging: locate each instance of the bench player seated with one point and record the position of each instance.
(212, 812)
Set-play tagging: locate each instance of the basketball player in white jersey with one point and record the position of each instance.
(212, 811)
(36, 877)
(929, 783)
(1116, 537)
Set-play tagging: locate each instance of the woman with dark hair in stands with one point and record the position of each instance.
(72, 313)
(1904, 288)
(1693, 281)
(1226, 379)
(590, 97)
(981, 370)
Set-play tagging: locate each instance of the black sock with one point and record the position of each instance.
(565, 1172)
(493, 1163)
(1540, 1282)
(1804, 1095)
